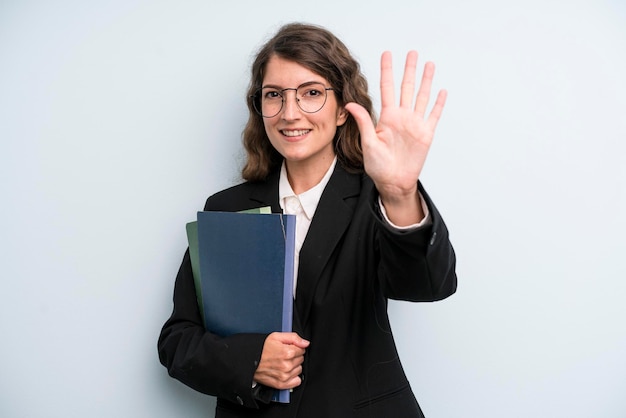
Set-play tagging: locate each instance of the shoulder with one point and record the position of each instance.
(230, 199)
(247, 195)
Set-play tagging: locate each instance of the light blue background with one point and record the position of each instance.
(118, 118)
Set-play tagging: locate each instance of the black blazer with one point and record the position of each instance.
(351, 262)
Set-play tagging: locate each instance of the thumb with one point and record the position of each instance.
(293, 338)
(301, 342)
(362, 118)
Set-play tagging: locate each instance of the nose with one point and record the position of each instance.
(291, 110)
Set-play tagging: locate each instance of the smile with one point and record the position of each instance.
(296, 132)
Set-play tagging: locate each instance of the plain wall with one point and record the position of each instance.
(118, 118)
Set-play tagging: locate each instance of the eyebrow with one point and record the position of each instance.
(306, 83)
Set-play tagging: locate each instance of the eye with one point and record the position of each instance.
(312, 92)
(271, 95)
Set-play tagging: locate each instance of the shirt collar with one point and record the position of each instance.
(310, 198)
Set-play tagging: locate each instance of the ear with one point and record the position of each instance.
(342, 116)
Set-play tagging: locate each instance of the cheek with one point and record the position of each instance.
(325, 117)
(335, 115)
(267, 125)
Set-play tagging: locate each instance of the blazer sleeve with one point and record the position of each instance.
(416, 265)
(218, 366)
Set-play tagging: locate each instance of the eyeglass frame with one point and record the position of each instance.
(255, 97)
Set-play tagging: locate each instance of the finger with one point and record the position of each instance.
(407, 89)
(387, 95)
(435, 114)
(290, 374)
(290, 370)
(423, 95)
(282, 381)
(363, 120)
(291, 352)
(289, 366)
(292, 383)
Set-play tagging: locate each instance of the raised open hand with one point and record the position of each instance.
(394, 151)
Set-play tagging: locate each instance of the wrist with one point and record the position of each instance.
(403, 209)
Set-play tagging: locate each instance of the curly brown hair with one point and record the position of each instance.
(320, 51)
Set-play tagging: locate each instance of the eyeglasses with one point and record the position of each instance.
(310, 97)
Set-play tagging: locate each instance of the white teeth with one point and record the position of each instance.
(298, 132)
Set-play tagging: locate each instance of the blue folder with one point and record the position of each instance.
(245, 264)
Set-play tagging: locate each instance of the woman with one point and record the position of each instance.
(366, 232)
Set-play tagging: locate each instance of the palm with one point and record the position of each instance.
(395, 150)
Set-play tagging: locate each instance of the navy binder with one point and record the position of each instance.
(246, 266)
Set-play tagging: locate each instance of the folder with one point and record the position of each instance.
(244, 267)
(192, 239)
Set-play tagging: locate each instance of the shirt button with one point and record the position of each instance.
(239, 400)
(432, 239)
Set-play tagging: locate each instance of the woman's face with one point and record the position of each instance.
(303, 139)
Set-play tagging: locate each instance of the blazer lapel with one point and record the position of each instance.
(331, 219)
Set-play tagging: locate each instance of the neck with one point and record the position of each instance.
(303, 177)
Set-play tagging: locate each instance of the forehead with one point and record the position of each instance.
(285, 73)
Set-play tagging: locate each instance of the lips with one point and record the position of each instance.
(295, 132)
